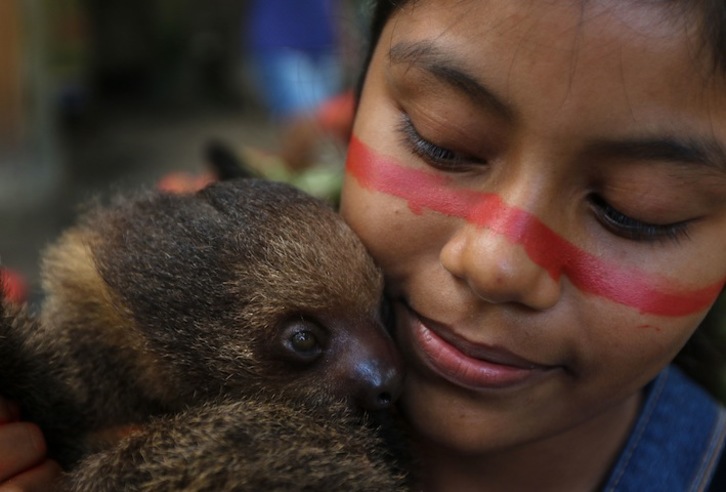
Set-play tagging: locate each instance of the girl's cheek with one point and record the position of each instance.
(646, 292)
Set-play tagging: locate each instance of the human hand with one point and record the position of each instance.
(23, 464)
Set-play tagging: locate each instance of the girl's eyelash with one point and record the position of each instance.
(429, 151)
(630, 228)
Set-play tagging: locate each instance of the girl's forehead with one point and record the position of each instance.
(627, 61)
(564, 29)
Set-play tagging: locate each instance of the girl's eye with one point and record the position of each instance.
(629, 228)
(436, 156)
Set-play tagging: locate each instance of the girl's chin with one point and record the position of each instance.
(453, 423)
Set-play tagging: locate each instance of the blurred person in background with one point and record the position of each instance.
(293, 47)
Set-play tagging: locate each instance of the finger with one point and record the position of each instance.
(38, 479)
(21, 447)
(9, 411)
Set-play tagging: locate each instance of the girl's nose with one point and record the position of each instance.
(497, 270)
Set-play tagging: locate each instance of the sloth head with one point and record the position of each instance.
(247, 286)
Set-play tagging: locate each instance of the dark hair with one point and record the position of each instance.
(714, 31)
(382, 11)
(704, 357)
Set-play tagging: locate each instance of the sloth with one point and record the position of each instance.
(228, 339)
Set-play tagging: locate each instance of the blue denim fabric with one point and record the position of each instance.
(677, 440)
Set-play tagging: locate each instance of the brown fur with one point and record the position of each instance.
(249, 444)
(162, 303)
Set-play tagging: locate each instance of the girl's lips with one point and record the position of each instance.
(468, 364)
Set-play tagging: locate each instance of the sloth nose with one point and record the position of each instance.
(369, 367)
(380, 383)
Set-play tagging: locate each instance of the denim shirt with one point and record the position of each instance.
(677, 441)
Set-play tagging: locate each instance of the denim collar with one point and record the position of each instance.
(676, 442)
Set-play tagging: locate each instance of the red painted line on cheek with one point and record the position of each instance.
(647, 292)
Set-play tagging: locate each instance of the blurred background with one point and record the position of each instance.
(101, 95)
(97, 95)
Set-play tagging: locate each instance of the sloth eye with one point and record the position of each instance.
(302, 340)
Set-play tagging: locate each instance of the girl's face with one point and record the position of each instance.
(545, 189)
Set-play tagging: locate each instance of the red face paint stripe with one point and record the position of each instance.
(647, 292)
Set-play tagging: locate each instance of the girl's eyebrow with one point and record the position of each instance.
(707, 152)
(441, 64)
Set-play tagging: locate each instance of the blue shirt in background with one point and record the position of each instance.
(306, 25)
